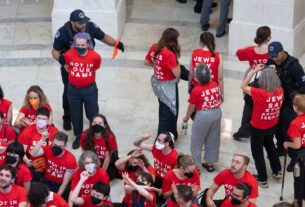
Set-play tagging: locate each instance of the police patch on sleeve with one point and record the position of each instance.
(95, 25)
(57, 34)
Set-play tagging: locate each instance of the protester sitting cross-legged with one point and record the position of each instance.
(6, 108)
(182, 197)
(89, 162)
(39, 195)
(7, 133)
(31, 136)
(60, 163)
(100, 139)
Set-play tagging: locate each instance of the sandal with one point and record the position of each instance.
(208, 166)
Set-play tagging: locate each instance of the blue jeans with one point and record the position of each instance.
(77, 98)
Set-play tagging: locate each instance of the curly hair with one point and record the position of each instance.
(36, 89)
(88, 141)
(169, 39)
(207, 38)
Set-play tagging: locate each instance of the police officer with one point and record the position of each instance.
(292, 77)
(62, 42)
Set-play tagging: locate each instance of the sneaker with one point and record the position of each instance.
(205, 27)
(277, 175)
(290, 167)
(263, 184)
(76, 143)
(239, 136)
(67, 125)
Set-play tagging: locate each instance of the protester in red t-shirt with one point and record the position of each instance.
(97, 197)
(34, 99)
(40, 195)
(14, 158)
(6, 107)
(81, 64)
(10, 194)
(100, 139)
(3, 147)
(163, 57)
(255, 55)
(229, 178)
(240, 196)
(7, 133)
(206, 127)
(31, 136)
(60, 163)
(182, 197)
(89, 162)
(184, 174)
(268, 100)
(211, 58)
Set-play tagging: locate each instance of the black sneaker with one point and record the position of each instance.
(220, 35)
(205, 27)
(290, 167)
(182, 1)
(214, 4)
(263, 184)
(238, 136)
(67, 125)
(76, 143)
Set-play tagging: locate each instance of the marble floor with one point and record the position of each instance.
(125, 94)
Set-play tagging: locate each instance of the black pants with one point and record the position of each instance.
(65, 103)
(246, 117)
(299, 184)
(261, 138)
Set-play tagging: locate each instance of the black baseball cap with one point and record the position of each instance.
(274, 49)
(78, 16)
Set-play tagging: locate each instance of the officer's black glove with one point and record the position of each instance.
(121, 46)
(61, 59)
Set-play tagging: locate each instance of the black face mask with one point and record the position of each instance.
(56, 150)
(140, 183)
(189, 174)
(173, 198)
(235, 201)
(133, 168)
(10, 159)
(97, 128)
(95, 200)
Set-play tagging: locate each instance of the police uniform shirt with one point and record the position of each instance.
(63, 41)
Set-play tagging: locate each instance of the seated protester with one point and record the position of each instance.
(10, 194)
(39, 195)
(229, 178)
(89, 162)
(134, 164)
(184, 174)
(240, 196)
(60, 163)
(34, 99)
(7, 133)
(3, 147)
(165, 157)
(14, 158)
(97, 197)
(6, 108)
(29, 138)
(182, 197)
(139, 191)
(100, 139)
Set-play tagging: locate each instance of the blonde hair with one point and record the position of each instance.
(244, 155)
(299, 102)
(36, 89)
(185, 160)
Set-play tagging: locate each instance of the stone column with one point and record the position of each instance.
(109, 15)
(286, 18)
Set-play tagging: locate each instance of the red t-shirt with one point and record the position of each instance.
(164, 62)
(170, 203)
(111, 139)
(170, 178)
(8, 134)
(147, 203)
(4, 107)
(82, 68)
(132, 175)
(100, 175)
(30, 137)
(204, 56)
(164, 163)
(205, 96)
(55, 200)
(88, 202)
(3, 155)
(12, 199)
(23, 174)
(31, 113)
(227, 203)
(227, 179)
(248, 54)
(266, 108)
(297, 129)
(57, 166)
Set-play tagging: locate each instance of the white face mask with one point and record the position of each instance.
(90, 167)
(159, 146)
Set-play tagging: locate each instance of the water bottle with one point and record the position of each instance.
(184, 128)
(296, 171)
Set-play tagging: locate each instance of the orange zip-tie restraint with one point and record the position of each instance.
(115, 50)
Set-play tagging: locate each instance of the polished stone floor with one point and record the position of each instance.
(125, 94)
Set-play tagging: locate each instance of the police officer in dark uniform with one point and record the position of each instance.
(62, 42)
(292, 78)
